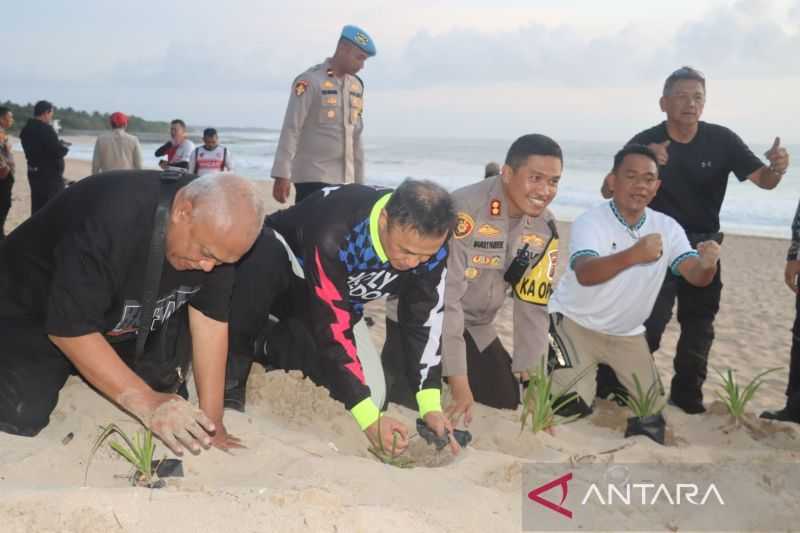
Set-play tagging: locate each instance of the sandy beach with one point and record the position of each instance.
(306, 466)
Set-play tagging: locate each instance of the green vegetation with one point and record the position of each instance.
(539, 407)
(72, 119)
(139, 453)
(389, 457)
(736, 398)
(644, 403)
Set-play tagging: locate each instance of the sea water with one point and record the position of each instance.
(457, 162)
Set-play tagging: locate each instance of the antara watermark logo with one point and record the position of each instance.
(618, 490)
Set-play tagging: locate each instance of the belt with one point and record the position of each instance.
(695, 238)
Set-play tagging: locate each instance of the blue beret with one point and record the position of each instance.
(359, 37)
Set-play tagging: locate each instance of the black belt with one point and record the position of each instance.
(695, 238)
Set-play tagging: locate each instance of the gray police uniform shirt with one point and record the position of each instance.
(485, 243)
(321, 136)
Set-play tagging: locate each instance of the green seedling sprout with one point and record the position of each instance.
(538, 405)
(138, 452)
(734, 396)
(391, 458)
(644, 403)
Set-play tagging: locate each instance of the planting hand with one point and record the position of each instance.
(224, 440)
(462, 401)
(174, 420)
(382, 435)
(441, 425)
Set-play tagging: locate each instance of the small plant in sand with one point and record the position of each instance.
(389, 457)
(538, 404)
(137, 451)
(734, 396)
(644, 403)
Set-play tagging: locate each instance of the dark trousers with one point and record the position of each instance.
(43, 188)
(793, 388)
(5, 202)
(33, 370)
(697, 307)
(304, 190)
(489, 372)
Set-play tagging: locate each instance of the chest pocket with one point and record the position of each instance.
(328, 115)
(537, 285)
(329, 99)
(356, 106)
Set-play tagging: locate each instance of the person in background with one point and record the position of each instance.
(211, 157)
(178, 149)
(7, 167)
(320, 142)
(492, 169)
(45, 153)
(117, 149)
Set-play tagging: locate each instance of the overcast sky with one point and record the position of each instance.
(573, 69)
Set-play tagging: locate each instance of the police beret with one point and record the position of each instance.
(359, 37)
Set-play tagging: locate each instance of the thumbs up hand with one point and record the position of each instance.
(778, 157)
(660, 149)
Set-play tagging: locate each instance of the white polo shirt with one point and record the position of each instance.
(622, 304)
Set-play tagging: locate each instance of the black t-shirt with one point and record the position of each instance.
(694, 180)
(78, 265)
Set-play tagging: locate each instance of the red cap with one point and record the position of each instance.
(119, 119)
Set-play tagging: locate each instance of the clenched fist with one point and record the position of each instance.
(647, 249)
(709, 253)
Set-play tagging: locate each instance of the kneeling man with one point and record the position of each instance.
(620, 252)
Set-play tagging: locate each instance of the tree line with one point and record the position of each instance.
(73, 119)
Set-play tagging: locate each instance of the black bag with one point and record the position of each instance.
(653, 426)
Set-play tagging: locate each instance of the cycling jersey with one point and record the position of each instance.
(334, 234)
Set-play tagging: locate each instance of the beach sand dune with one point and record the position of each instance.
(307, 468)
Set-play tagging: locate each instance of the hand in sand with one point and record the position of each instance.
(224, 440)
(709, 253)
(778, 157)
(462, 400)
(660, 149)
(442, 426)
(791, 273)
(174, 420)
(383, 431)
(280, 189)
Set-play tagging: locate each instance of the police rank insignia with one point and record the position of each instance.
(471, 273)
(300, 87)
(495, 208)
(464, 226)
(328, 84)
(488, 230)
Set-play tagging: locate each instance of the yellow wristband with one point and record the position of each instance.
(365, 413)
(429, 400)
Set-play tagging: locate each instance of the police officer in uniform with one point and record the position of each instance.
(505, 237)
(320, 142)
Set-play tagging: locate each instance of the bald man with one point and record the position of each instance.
(77, 277)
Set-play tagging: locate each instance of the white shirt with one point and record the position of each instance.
(183, 152)
(622, 304)
(204, 161)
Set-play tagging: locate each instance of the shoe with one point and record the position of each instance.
(572, 407)
(690, 408)
(236, 374)
(235, 398)
(781, 415)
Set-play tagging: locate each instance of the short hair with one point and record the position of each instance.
(532, 144)
(633, 148)
(178, 122)
(218, 197)
(422, 206)
(683, 73)
(492, 169)
(209, 132)
(42, 107)
(4, 110)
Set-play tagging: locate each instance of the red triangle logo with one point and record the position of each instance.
(562, 482)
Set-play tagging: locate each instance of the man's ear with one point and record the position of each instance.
(662, 103)
(383, 220)
(611, 180)
(181, 209)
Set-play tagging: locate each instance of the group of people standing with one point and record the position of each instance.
(128, 278)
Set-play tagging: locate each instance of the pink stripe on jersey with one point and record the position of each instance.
(328, 293)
